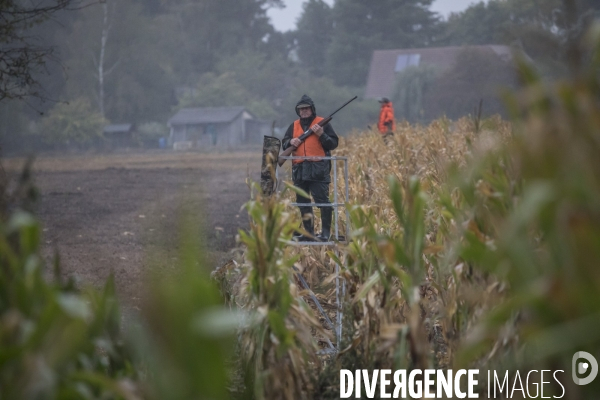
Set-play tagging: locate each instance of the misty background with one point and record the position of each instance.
(284, 19)
(139, 62)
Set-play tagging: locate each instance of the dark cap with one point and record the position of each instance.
(384, 100)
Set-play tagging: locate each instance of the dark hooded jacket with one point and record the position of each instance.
(312, 170)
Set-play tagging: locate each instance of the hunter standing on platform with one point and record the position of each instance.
(312, 176)
(386, 123)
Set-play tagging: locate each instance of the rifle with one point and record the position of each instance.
(309, 132)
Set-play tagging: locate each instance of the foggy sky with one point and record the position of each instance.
(285, 19)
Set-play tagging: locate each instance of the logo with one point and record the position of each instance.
(581, 368)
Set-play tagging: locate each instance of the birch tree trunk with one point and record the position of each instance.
(103, 40)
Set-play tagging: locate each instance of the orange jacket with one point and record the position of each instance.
(311, 146)
(386, 115)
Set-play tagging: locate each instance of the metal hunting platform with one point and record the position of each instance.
(340, 283)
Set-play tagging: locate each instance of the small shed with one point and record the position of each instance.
(214, 127)
(120, 135)
(385, 64)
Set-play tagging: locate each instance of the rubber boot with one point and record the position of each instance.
(326, 213)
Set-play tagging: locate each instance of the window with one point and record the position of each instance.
(407, 60)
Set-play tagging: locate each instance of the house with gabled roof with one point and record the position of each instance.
(386, 64)
(120, 135)
(215, 127)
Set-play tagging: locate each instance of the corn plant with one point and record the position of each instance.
(185, 335)
(546, 248)
(278, 346)
(55, 341)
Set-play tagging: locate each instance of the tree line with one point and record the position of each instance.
(84, 65)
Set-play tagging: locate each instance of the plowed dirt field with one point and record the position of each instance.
(122, 213)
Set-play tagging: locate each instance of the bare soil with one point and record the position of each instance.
(123, 213)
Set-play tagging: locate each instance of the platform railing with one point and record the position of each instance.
(340, 283)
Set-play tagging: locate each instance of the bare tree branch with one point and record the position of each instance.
(21, 55)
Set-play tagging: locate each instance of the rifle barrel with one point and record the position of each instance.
(345, 104)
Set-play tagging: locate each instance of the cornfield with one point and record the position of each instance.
(474, 244)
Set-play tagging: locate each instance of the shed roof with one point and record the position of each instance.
(206, 115)
(384, 63)
(118, 128)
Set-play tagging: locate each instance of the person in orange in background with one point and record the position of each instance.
(386, 124)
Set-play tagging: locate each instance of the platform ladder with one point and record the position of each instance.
(340, 283)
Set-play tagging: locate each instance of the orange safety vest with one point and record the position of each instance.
(386, 115)
(311, 146)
